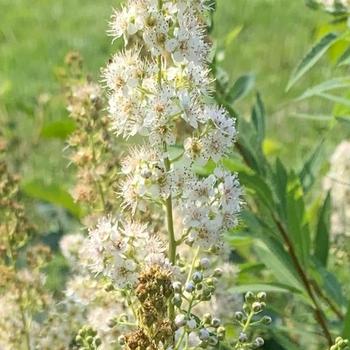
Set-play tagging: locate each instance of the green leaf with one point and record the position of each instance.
(58, 129)
(308, 172)
(312, 57)
(235, 165)
(258, 118)
(344, 59)
(321, 244)
(337, 99)
(242, 86)
(297, 225)
(346, 327)
(280, 186)
(232, 35)
(258, 186)
(333, 84)
(53, 194)
(278, 261)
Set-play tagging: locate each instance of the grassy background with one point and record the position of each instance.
(35, 35)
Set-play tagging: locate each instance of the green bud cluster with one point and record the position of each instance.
(341, 344)
(254, 305)
(87, 339)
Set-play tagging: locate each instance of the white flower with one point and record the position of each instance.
(124, 23)
(127, 113)
(70, 247)
(125, 72)
(188, 43)
(190, 110)
(104, 241)
(123, 272)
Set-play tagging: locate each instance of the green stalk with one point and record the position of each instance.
(169, 201)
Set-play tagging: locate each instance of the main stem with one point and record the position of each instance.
(170, 220)
(169, 201)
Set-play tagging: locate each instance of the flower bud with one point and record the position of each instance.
(190, 287)
(239, 316)
(243, 338)
(203, 334)
(216, 322)
(261, 296)
(257, 307)
(197, 277)
(266, 320)
(177, 300)
(258, 342)
(221, 331)
(180, 321)
(205, 263)
(249, 297)
(191, 324)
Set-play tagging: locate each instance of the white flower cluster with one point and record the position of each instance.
(335, 5)
(120, 251)
(338, 182)
(160, 87)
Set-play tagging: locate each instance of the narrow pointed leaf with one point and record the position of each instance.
(321, 244)
(312, 57)
(241, 88)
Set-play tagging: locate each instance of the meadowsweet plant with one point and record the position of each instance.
(23, 294)
(91, 147)
(159, 91)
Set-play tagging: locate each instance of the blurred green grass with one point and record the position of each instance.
(35, 35)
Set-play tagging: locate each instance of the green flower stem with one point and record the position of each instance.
(169, 201)
(171, 233)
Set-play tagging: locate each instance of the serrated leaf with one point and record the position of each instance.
(242, 86)
(321, 244)
(312, 57)
(52, 193)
